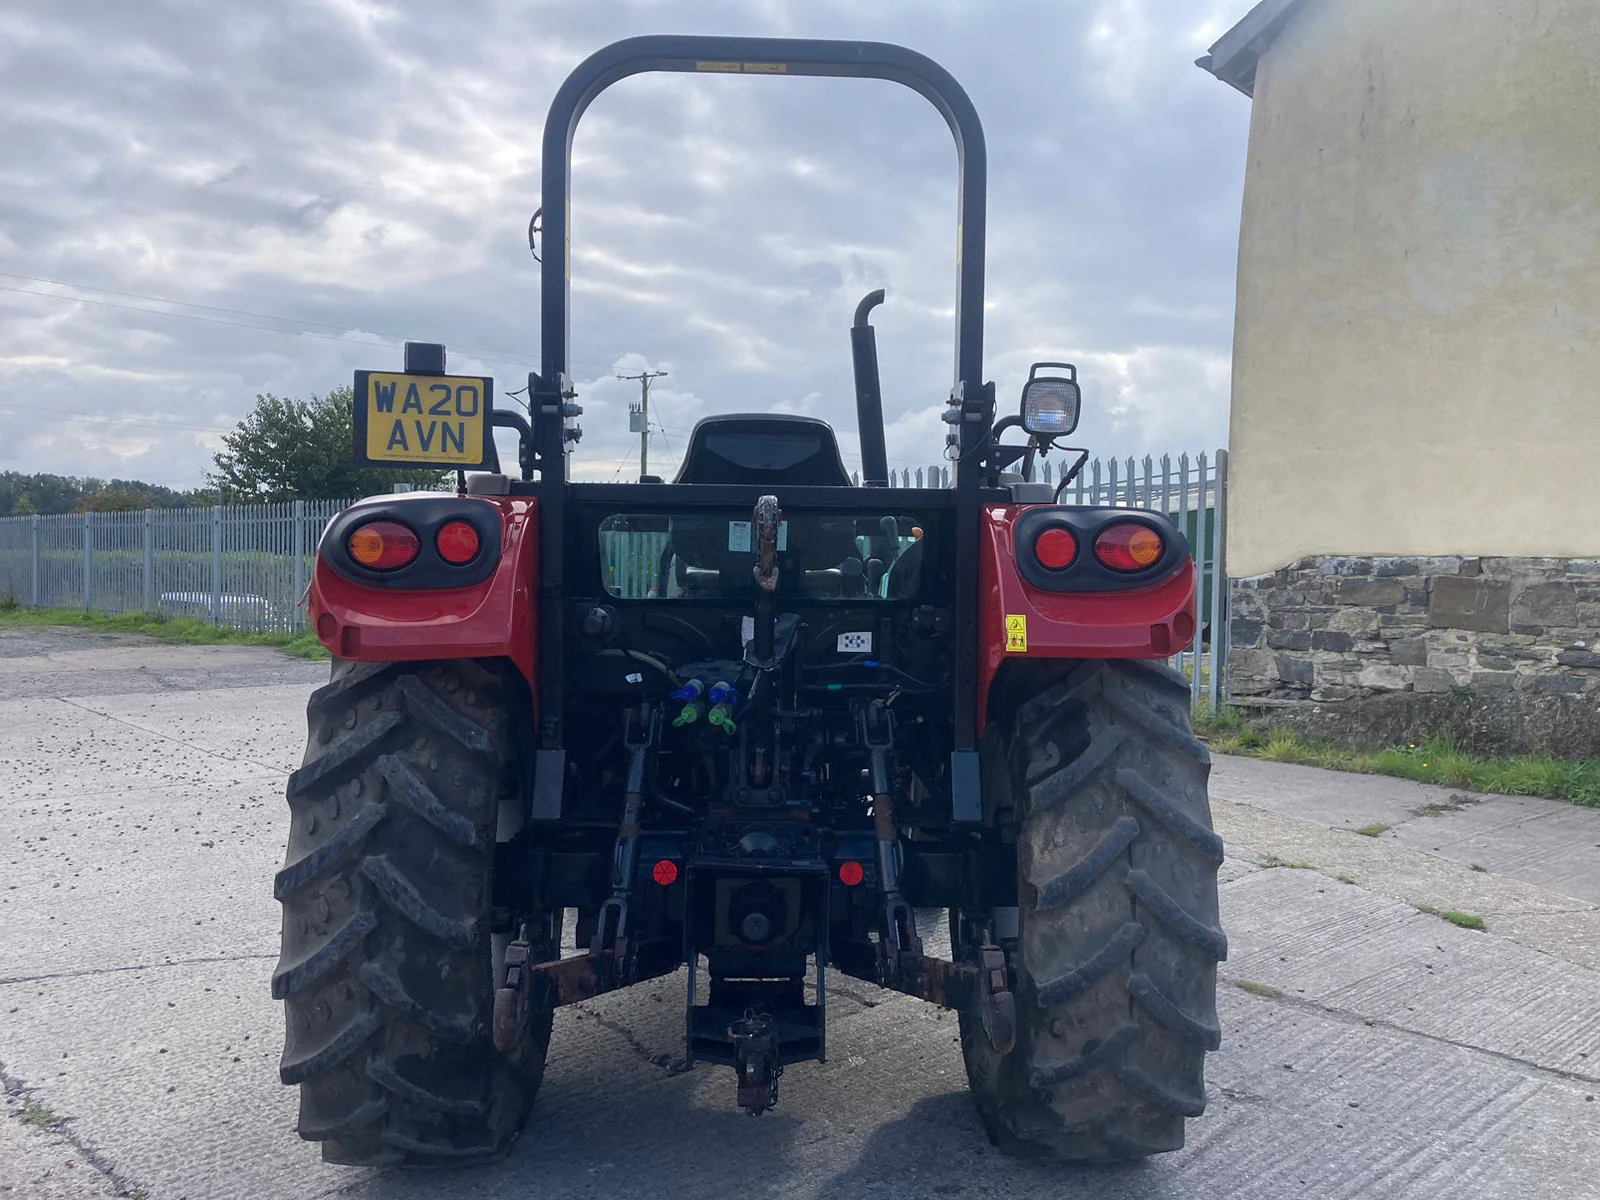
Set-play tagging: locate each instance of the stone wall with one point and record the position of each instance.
(1503, 652)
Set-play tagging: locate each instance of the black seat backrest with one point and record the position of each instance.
(775, 448)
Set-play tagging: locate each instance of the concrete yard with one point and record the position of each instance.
(1369, 1049)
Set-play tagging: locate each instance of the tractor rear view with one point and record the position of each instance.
(743, 725)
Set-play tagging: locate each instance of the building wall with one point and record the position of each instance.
(1417, 351)
(1501, 653)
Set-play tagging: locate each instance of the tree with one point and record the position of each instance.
(115, 497)
(23, 507)
(292, 449)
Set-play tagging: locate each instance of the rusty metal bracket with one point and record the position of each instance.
(527, 988)
(983, 986)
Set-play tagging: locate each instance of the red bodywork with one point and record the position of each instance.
(497, 618)
(492, 619)
(1148, 622)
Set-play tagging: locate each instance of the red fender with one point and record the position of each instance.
(1151, 622)
(492, 619)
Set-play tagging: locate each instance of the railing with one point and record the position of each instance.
(247, 566)
(240, 566)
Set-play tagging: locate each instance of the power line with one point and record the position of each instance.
(507, 357)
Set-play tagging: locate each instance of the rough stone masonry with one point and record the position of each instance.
(1504, 653)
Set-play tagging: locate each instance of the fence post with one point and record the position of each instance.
(149, 561)
(33, 590)
(1200, 561)
(297, 542)
(88, 560)
(1219, 584)
(216, 564)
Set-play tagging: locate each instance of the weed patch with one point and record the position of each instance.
(1258, 989)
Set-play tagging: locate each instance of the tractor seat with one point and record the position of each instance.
(763, 448)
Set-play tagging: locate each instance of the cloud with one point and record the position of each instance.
(330, 177)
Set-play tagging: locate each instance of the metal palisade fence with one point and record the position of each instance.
(244, 566)
(247, 566)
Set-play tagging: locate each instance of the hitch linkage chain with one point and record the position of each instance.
(899, 944)
(611, 933)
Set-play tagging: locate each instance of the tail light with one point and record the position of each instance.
(1055, 549)
(1127, 546)
(457, 543)
(383, 545)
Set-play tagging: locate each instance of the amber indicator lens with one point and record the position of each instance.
(1129, 547)
(457, 543)
(1055, 549)
(383, 545)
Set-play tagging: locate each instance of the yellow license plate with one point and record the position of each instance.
(428, 420)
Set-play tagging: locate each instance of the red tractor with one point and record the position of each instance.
(747, 722)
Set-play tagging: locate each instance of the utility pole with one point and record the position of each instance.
(639, 417)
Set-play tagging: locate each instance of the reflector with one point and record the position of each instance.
(1055, 549)
(457, 543)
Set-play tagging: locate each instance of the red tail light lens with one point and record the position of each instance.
(665, 872)
(851, 873)
(1055, 549)
(383, 545)
(457, 543)
(1129, 547)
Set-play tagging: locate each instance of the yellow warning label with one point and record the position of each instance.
(1016, 633)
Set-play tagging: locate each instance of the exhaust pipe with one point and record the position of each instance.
(869, 394)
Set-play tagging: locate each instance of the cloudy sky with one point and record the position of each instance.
(202, 200)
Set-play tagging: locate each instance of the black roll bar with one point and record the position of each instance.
(766, 57)
(971, 405)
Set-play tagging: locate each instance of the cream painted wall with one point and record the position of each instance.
(1417, 348)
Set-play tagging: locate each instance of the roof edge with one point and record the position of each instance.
(1234, 56)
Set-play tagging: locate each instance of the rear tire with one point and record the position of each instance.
(387, 971)
(1116, 962)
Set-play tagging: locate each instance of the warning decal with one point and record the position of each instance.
(1016, 633)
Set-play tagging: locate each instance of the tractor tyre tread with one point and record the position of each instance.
(386, 967)
(1119, 928)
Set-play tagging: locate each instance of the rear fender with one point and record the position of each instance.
(1020, 621)
(390, 621)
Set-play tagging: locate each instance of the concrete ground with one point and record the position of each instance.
(1369, 1049)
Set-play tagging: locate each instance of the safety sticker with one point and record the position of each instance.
(855, 643)
(1016, 633)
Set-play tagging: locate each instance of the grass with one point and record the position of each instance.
(1437, 760)
(1258, 989)
(1454, 804)
(1272, 860)
(35, 1114)
(167, 629)
(1376, 829)
(1464, 919)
